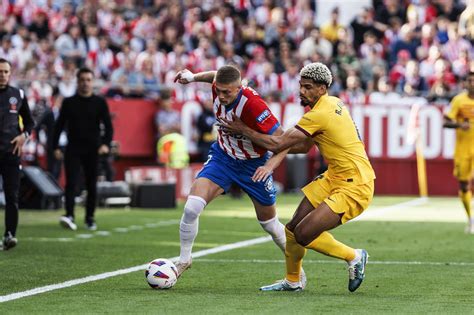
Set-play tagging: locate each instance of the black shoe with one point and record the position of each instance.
(9, 241)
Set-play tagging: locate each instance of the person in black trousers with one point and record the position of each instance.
(82, 116)
(13, 134)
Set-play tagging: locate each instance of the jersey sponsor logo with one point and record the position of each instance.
(263, 116)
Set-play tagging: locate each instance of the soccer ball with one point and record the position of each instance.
(161, 273)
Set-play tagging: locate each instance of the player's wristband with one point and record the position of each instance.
(27, 134)
(189, 76)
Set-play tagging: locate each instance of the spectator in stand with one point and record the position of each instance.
(399, 68)
(455, 44)
(346, 61)
(384, 94)
(39, 28)
(427, 64)
(442, 29)
(152, 53)
(407, 42)
(72, 46)
(362, 23)
(290, 82)
(126, 81)
(428, 36)
(353, 94)
(411, 82)
(330, 29)
(101, 61)
(267, 81)
(370, 44)
(92, 37)
(151, 82)
(315, 42)
(442, 73)
(167, 119)
(449, 8)
(371, 68)
(68, 84)
(228, 56)
(389, 10)
(462, 65)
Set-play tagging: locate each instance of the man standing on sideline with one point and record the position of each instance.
(14, 112)
(233, 159)
(461, 117)
(333, 198)
(82, 115)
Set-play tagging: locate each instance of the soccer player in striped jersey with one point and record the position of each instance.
(338, 195)
(233, 159)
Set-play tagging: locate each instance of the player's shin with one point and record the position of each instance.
(326, 244)
(188, 227)
(294, 254)
(277, 231)
(466, 201)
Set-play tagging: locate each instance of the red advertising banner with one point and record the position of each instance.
(384, 130)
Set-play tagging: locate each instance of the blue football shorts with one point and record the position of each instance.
(223, 170)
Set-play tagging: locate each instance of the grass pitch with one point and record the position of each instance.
(420, 262)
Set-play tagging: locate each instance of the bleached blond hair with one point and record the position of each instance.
(318, 72)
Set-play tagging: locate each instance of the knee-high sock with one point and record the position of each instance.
(188, 227)
(277, 230)
(466, 201)
(326, 244)
(294, 254)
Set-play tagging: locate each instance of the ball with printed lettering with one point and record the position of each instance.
(161, 273)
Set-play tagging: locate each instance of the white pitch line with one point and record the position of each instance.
(378, 212)
(70, 283)
(371, 262)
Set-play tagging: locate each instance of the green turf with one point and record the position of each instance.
(227, 282)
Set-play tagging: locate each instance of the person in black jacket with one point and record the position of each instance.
(13, 133)
(82, 116)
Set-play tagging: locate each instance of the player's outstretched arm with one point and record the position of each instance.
(185, 76)
(449, 123)
(270, 142)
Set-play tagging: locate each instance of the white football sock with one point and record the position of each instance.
(277, 230)
(357, 258)
(188, 228)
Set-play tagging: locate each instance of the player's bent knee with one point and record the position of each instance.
(464, 186)
(193, 208)
(303, 238)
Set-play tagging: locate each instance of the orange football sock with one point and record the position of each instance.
(326, 244)
(294, 254)
(466, 201)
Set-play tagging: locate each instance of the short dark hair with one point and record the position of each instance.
(469, 74)
(3, 60)
(84, 70)
(228, 74)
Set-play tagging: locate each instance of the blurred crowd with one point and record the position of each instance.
(392, 52)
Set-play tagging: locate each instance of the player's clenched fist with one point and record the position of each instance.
(184, 77)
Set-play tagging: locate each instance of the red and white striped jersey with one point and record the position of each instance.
(254, 112)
